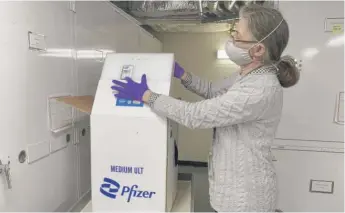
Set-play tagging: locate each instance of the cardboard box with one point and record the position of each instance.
(132, 149)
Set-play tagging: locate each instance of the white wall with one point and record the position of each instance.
(60, 174)
(196, 53)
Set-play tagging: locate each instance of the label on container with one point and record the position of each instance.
(129, 192)
(127, 71)
(129, 103)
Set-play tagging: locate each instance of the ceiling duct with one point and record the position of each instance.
(160, 9)
(182, 11)
(169, 15)
(169, 6)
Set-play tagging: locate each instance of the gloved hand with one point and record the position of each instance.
(178, 71)
(131, 90)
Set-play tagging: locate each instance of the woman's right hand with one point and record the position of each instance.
(178, 71)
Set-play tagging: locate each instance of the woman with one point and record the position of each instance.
(244, 114)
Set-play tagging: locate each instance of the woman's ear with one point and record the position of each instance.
(258, 51)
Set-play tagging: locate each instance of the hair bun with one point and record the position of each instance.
(291, 61)
(288, 71)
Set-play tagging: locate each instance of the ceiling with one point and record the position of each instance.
(185, 16)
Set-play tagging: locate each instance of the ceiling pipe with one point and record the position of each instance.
(229, 5)
(200, 7)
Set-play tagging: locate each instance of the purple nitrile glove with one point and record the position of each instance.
(178, 71)
(130, 90)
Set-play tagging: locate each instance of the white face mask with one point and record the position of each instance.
(239, 56)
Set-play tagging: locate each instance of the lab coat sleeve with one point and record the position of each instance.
(235, 106)
(205, 88)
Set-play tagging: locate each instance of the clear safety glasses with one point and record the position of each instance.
(234, 36)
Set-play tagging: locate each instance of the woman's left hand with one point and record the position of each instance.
(131, 90)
